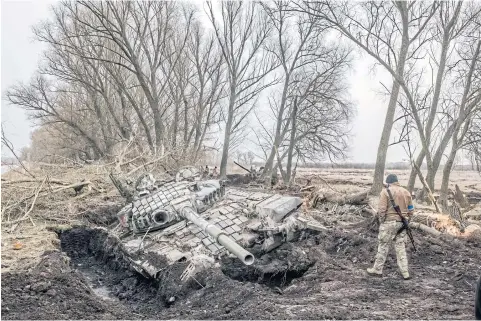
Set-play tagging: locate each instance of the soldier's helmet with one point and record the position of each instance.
(391, 178)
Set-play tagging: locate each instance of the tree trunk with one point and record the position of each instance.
(430, 177)
(186, 124)
(384, 142)
(292, 142)
(278, 137)
(159, 132)
(434, 165)
(413, 174)
(436, 162)
(426, 187)
(391, 110)
(464, 113)
(142, 120)
(228, 128)
(443, 199)
(176, 124)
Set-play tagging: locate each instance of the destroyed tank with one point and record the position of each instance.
(187, 219)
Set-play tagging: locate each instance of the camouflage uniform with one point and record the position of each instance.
(390, 225)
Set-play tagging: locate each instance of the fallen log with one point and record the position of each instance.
(310, 178)
(307, 188)
(53, 181)
(472, 214)
(473, 197)
(474, 222)
(355, 199)
(425, 228)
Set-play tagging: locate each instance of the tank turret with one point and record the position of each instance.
(187, 219)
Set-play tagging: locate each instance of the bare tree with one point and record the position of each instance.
(115, 72)
(320, 113)
(49, 104)
(310, 100)
(468, 108)
(451, 23)
(391, 33)
(472, 142)
(295, 52)
(8, 144)
(137, 36)
(208, 87)
(241, 33)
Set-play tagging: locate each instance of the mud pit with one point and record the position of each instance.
(322, 276)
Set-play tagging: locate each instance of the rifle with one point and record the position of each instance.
(403, 219)
(242, 167)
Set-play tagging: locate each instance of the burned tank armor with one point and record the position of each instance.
(188, 220)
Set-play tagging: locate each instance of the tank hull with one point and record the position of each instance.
(200, 222)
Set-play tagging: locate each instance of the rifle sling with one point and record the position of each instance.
(396, 208)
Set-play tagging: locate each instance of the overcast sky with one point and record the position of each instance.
(20, 55)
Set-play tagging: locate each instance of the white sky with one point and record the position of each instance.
(20, 54)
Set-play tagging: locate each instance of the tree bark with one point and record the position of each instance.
(292, 142)
(413, 174)
(277, 137)
(433, 110)
(423, 181)
(228, 129)
(391, 110)
(445, 181)
(384, 141)
(360, 198)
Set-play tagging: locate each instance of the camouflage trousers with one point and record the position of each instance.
(388, 234)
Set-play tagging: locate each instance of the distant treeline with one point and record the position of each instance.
(395, 166)
(372, 166)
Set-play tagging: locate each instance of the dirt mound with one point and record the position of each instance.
(275, 269)
(54, 291)
(322, 276)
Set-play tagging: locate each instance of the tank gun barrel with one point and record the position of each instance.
(191, 215)
(242, 167)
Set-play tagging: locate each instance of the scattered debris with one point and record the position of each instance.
(17, 246)
(85, 275)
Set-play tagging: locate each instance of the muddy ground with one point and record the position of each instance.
(322, 276)
(61, 274)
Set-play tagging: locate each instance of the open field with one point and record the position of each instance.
(467, 180)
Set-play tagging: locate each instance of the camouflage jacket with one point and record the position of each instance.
(401, 197)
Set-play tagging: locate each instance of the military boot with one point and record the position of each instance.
(373, 272)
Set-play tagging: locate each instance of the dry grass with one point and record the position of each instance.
(21, 249)
(51, 195)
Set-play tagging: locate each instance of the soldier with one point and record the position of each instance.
(206, 171)
(214, 172)
(390, 225)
